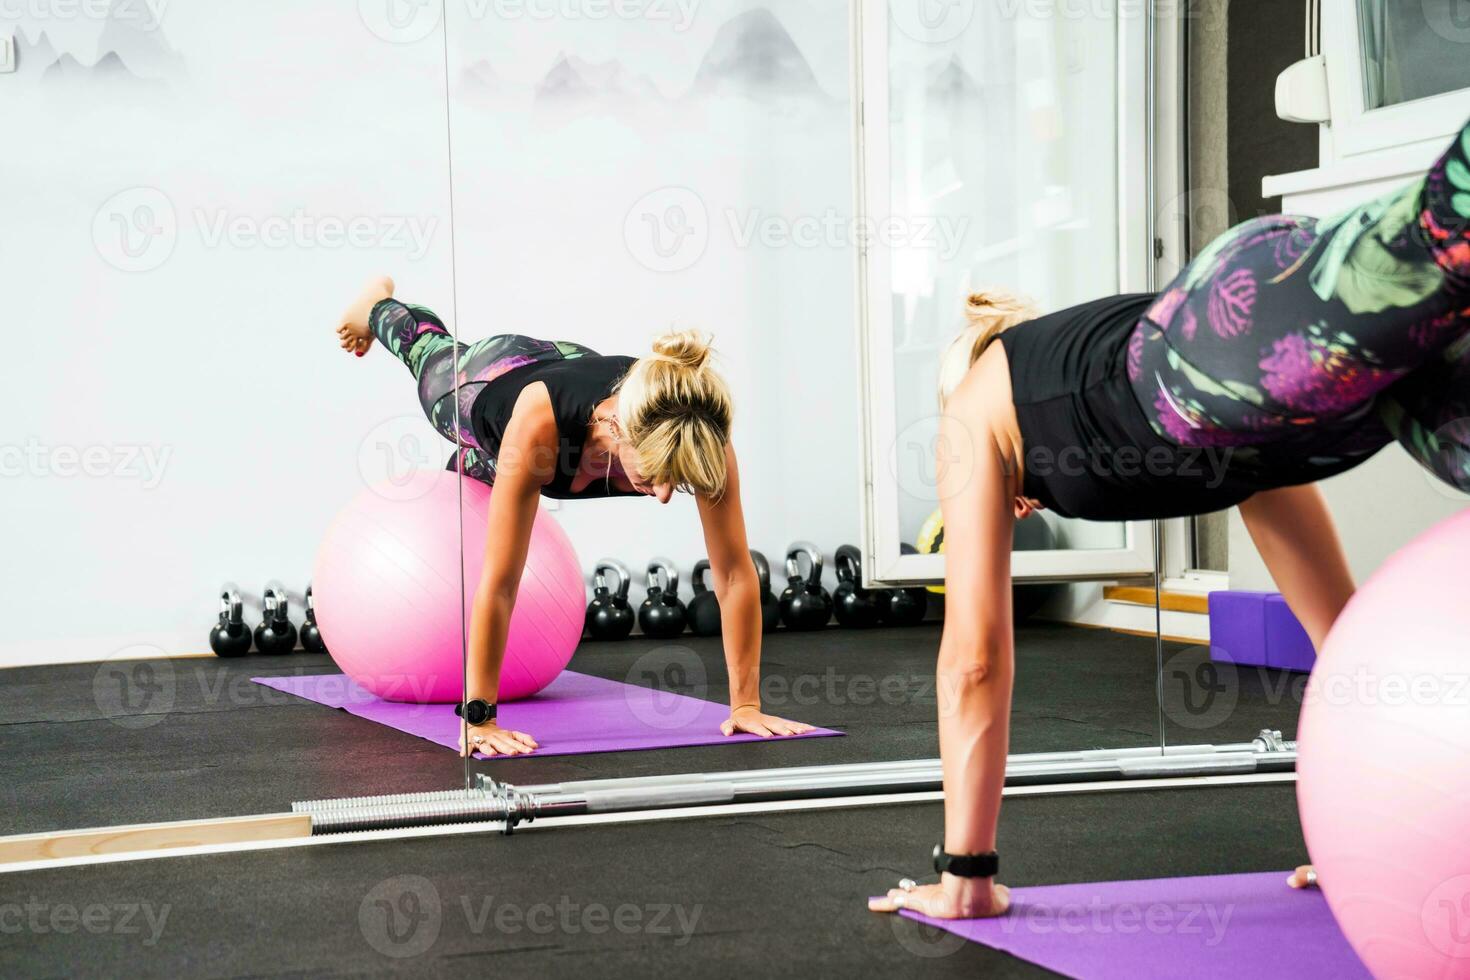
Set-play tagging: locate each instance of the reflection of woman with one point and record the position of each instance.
(542, 418)
(1290, 350)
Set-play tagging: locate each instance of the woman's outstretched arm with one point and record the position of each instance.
(977, 652)
(738, 591)
(527, 452)
(1293, 530)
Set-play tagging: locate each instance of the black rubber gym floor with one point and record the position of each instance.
(141, 741)
(770, 895)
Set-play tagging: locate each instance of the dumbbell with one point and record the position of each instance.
(704, 608)
(770, 605)
(230, 636)
(662, 616)
(311, 633)
(854, 605)
(805, 604)
(609, 616)
(275, 634)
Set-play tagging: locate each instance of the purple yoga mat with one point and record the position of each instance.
(577, 713)
(1226, 926)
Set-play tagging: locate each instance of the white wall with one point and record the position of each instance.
(146, 315)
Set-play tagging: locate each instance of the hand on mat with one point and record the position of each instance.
(491, 739)
(954, 898)
(1303, 877)
(750, 719)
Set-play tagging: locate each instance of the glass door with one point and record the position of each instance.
(996, 148)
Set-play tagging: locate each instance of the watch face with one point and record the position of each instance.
(477, 712)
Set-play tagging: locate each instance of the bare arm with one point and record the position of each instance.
(1297, 539)
(527, 453)
(738, 591)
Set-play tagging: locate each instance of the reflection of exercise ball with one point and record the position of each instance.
(1383, 782)
(1031, 534)
(387, 586)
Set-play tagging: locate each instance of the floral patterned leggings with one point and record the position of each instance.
(1314, 343)
(420, 340)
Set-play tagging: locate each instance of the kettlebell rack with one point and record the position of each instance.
(490, 801)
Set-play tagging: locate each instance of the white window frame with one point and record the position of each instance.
(1356, 130)
(884, 563)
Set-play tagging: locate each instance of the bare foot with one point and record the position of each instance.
(355, 334)
(1303, 877)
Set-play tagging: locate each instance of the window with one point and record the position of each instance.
(1412, 51)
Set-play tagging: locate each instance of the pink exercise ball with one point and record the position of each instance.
(1383, 774)
(388, 599)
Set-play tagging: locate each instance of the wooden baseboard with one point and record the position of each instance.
(153, 837)
(1190, 602)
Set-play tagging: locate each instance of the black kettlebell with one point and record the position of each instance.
(275, 634)
(230, 636)
(805, 604)
(904, 607)
(770, 605)
(704, 608)
(854, 605)
(311, 633)
(609, 616)
(662, 616)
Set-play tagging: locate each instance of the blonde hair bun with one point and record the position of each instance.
(989, 313)
(689, 349)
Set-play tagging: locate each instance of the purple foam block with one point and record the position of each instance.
(1287, 644)
(576, 714)
(1221, 926)
(1238, 627)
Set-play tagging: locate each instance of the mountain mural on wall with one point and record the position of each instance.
(754, 55)
(130, 48)
(947, 81)
(33, 57)
(571, 78)
(132, 32)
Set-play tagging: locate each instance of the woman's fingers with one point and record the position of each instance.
(1303, 877)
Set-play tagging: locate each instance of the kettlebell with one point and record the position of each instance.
(230, 636)
(275, 634)
(904, 607)
(704, 608)
(770, 605)
(855, 606)
(609, 616)
(311, 633)
(662, 616)
(805, 604)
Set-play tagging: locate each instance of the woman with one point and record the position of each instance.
(1289, 351)
(538, 418)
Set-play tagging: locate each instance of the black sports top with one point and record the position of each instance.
(1089, 449)
(576, 385)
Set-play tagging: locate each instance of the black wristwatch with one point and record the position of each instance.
(966, 865)
(476, 711)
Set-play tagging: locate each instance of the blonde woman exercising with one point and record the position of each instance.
(549, 418)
